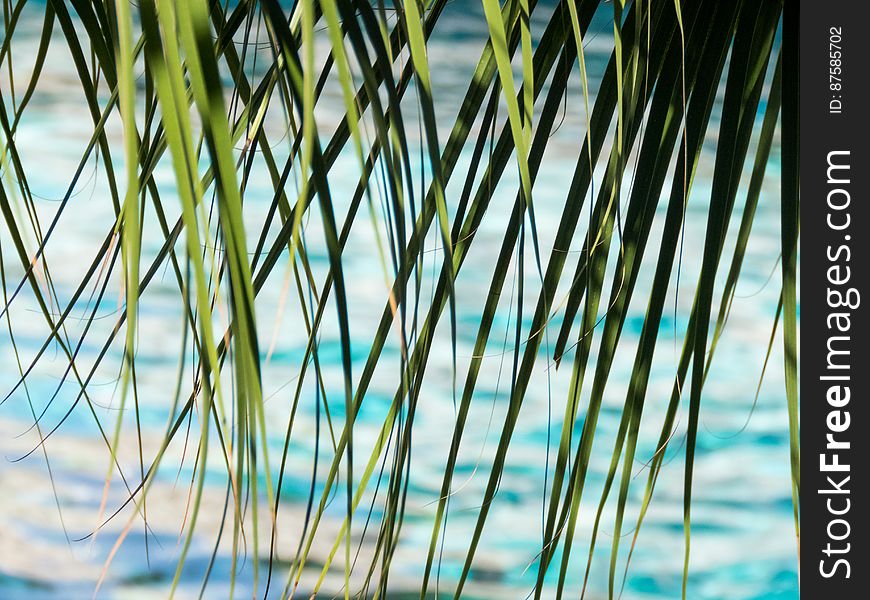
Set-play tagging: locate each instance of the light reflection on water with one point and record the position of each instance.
(743, 536)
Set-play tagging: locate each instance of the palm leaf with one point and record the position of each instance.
(215, 209)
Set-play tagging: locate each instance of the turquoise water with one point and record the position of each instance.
(743, 543)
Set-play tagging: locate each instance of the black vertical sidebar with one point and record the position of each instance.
(834, 139)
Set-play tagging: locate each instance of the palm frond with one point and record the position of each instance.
(233, 147)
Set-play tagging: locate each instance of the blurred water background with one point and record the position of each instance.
(743, 532)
